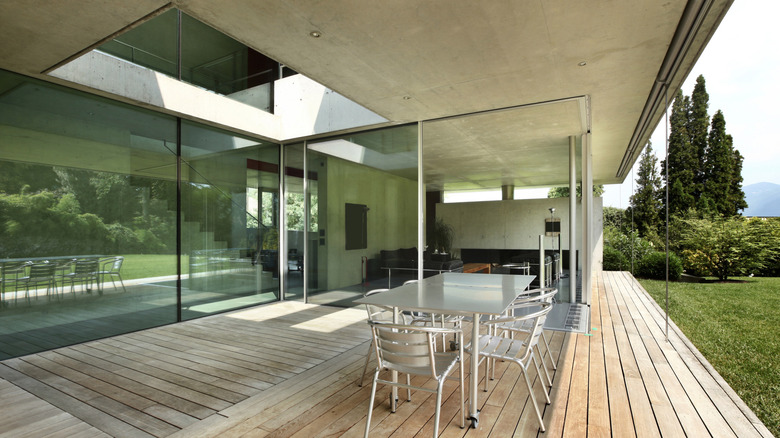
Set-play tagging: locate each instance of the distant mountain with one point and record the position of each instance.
(763, 199)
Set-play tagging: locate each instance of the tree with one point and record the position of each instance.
(682, 161)
(698, 123)
(646, 202)
(719, 165)
(725, 247)
(736, 201)
(563, 191)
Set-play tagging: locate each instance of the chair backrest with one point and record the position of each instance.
(117, 264)
(546, 294)
(85, 266)
(378, 313)
(42, 270)
(13, 269)
(537, 317)
(404, 348)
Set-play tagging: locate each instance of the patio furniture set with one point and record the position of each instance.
(512, 326)
(55, 273)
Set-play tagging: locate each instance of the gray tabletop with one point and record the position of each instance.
(455, 293)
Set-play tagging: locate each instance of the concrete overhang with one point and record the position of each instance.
(409, 61)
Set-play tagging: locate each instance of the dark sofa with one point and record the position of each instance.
(407, 258)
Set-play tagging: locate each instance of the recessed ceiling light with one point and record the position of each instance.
(315, 34)
(407, 97)
(583, 64)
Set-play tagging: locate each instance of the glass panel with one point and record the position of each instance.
(87, 217)
(229, 233)
(209, 58)
(378, 170)
(295, 220)
(152, 44)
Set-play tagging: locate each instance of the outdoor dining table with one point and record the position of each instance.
(457, 294)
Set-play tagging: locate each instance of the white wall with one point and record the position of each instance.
(307, 108)
(515, 224)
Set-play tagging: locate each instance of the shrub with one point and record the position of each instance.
(614, 260)
(653, 266)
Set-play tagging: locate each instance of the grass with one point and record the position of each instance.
(150, 265)
(736, 326)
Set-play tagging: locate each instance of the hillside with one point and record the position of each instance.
(763, 199)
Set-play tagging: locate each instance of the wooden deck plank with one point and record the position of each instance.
(719, 412)
(621, 420)
(598, 420)
(248, 367)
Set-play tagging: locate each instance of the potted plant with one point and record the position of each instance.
(443, 235)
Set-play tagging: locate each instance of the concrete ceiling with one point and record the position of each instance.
(409, 60)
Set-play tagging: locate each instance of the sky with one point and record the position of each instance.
(741, 67)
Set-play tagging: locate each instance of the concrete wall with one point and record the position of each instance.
(118, 78)
(307, 108)
(302, 107)
(515, 224)
(392, 218)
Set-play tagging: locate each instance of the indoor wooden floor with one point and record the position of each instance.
(289, 369)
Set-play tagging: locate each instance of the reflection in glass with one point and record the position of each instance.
(377, 169)
(86, 185)
(229, 231)
(209, 58)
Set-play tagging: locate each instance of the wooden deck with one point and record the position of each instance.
(289, 369)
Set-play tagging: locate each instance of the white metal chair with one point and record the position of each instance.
(111, 267)
(410, 350)
(380, 314)
(12, 274)
(432, 320)
(84, 271)
(518, 350)
(546, 295)
(40, 273)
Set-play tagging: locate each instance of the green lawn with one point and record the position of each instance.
(150, 265)
(736, 326)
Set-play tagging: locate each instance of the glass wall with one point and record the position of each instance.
(295, 220)
(363, 210)
(87, 217)
(209, 58)
(89, 201)
(231, 251)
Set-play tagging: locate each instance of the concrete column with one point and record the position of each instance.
(541, 262)
(572, 219)
(420, 202)
(587, 218)
(507, 192)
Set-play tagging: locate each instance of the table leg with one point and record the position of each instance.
(394, 373)
(473, 379)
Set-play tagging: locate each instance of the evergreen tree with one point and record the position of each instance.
(645, 202)
(698, 124)
(736, 201)
(718, 168)
(682, 161)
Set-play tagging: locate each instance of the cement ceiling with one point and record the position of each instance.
(409, 60)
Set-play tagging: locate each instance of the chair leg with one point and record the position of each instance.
(437, 413)
(539, 373)
(548, 352)
(543, 365)
(371, 402)
(533, 400)
(365, 367)
(462, 394)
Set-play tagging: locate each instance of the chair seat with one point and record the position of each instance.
(499, 347)
(444, 362)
